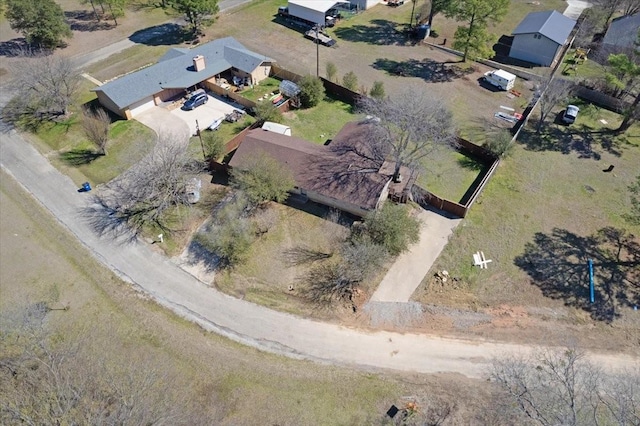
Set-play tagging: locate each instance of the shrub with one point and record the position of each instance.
(377, 91)
(263, 179)
(392, 227)
(350, 81)
(331, 71)
(311, 91)
(499, 143)
(213, 145)
(266, 111)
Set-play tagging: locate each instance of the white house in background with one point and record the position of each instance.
(540, 36)
(179, 71)
(623, 32)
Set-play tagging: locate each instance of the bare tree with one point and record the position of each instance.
(408, 126)
(610, 7)
(553, 91)
(95, 124)
(47, 380)
(553, 387)
(48, 84)
(144, 194)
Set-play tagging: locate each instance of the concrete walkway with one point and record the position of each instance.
(237, 319)
(575, 8)
(408, 271)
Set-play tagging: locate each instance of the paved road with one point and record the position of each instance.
(240, 320)
(89, 58)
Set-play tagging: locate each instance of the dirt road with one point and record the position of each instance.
(237, 319)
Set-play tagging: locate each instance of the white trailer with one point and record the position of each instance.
(500, 79)
(313, 12)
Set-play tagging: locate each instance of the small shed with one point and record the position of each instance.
(540, 36)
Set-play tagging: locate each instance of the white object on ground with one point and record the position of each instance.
(479, 260)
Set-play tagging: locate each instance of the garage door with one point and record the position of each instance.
(141, 106)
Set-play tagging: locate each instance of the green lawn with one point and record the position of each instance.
(321, 122)
(127, 61)
(268, 85)
(588, 69)
(449, 174)
(554, 180)
(76, 156)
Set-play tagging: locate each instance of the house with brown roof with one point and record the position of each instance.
(344, 174)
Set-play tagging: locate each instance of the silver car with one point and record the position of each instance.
(570, 114)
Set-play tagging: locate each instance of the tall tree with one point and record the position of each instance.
(435, 7)
(623, 76)
(263, 179)
(408, 126)
(564, 388)
(41, 22)
(473, 38)
(195, 11)
(553, 91)
(610, 7)
(48, 85)
(143, 195)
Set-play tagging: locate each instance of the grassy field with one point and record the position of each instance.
(233, 384)
(71, 152)
(552, 184)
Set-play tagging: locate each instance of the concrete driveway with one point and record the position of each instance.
(575, 8)
(410, 268)
(162, 122)
(205, 114)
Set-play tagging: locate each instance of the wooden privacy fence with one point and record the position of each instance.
(426, 198)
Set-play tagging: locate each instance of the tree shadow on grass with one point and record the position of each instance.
(79, 157)
(380, 32)
(162, 35)
(427, 69)
(580, 139)
(471, 163)
(14, 47)
(85, 20)
(558, 264)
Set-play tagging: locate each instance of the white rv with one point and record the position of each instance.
(500, 79)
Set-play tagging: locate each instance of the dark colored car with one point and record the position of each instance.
(195, 101)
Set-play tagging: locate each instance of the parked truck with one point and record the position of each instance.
(306, 16)
(500, 79)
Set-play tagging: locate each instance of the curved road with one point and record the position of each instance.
(236, 319)
(240, 320)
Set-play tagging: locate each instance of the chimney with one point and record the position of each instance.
(198, 63)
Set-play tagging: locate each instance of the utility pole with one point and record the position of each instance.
(204, 154)
(317, 52)
(413, 9)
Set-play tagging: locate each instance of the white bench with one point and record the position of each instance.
(479, 260)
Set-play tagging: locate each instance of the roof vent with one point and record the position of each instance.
(198, 63)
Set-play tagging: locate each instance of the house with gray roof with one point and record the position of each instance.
(623, 33)
(540, 36)
(178, 72)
